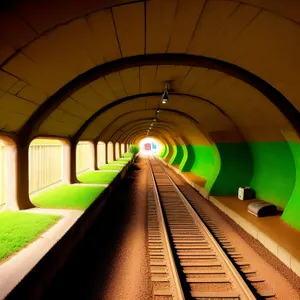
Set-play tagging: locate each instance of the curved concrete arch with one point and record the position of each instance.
(140, 110)
(29, 129)
(135, 139)
(97, 114)
(144, 128)
(188, 117)
(9, 6)
(142, 123)
(139, 137)
(168, 140)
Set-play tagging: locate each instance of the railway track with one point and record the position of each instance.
(186, 261)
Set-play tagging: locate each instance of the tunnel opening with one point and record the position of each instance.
(150, 145)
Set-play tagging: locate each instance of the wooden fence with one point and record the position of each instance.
(122, 149)
(110, 149)
(2, 174)
(83, 157)
(45, 166)
(101, 149)
(117, 150)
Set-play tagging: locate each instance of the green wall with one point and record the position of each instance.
(272, 169)
(177, 155)
(274, 172)
(204, 161)
(291, 214)
(165, 152)
(188, 159)
(235, 170)
(269, 168)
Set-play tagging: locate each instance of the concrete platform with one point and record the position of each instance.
(15, 268)
(276, 235)
(52, 247)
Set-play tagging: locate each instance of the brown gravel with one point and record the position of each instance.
(111, 262)
(277, 276)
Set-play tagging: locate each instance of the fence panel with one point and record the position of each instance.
(117, 150)
(122, 149)
(101, 149)
(2, 176)
(83, 157)
(110, 152)
(45, 166)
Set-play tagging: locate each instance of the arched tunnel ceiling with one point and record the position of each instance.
(41, 50)
(179, 122)
(149, 105)
(240, 102)
(142, 127)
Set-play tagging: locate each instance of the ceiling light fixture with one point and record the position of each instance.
(165, 95)
(158, 111)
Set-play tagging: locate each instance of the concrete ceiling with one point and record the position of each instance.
(44, 46)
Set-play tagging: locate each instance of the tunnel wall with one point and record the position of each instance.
(274, 172)
(177, 156)
(233, 168)
(166, 153)
(169, 155)
(292, 211)
(188, 159)
(268, 167)
(204, 161)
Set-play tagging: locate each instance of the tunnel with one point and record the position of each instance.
(214, 83)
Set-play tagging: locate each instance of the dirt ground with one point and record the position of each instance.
(111, 262)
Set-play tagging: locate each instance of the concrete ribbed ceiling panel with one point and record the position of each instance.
(44, 45)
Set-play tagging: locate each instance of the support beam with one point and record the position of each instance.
(95, 156)
(73, 174)
(22, 177)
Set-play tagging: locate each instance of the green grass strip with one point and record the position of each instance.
(111, 167)
(97, 177)
(118, 162)
(128, 154)
(17, 229)
(68, 197)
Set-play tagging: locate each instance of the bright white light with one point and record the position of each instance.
(150, 145)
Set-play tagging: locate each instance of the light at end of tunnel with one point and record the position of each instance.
(150, 145)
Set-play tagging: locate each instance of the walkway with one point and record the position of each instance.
(15, 268)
